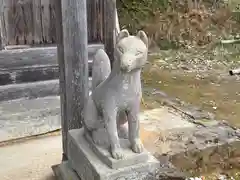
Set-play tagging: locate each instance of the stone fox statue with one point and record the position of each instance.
(113, 106)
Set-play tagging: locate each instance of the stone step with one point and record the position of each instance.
(27, 117)
(31, 90)
(33, 64)
(29, 74)
(32, 74)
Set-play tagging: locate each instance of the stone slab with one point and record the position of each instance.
(27, 117)
(187, 141)
(130, 158)
(89, 167)
(164, 119)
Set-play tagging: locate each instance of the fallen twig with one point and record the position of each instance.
(231, 41)
(234, 72)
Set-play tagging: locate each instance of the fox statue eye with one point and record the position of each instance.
(120, 49)
(138, 53)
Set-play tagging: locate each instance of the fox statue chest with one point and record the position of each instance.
(123, 91)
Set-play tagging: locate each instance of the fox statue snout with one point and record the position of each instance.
(127, 61)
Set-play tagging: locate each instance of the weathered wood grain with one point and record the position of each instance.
(37, 56)
(9, 22)
(109, 24)
(29, 74)
(37, 24)
(103, 23)
(29, 57)
(28, 21)
(45, 14)
(32, 90)
(29, 90)
(100, 20)
(95, 21)
(32, 74)
(74, 23)
(18, 21)
(89, 20)
(52, 28)
(2, 24)
(34, 64)
(27, 15)
(62, 81)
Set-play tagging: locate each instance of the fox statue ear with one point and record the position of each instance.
(122, 34)
(142, 35)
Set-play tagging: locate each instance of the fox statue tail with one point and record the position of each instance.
(101, 68)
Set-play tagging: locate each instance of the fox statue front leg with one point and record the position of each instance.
(134, 129)
(109, 116)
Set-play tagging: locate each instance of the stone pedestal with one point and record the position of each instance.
(86, 163)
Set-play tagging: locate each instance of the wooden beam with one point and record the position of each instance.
(32, 74)
(32, 90)
(36, 56)
(28, 74)
(29, 90)
(74, 24)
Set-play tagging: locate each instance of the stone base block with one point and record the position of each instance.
(130, 158)
(63, 171)
(88, 166)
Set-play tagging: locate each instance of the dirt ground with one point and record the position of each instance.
(199, 78)
(196, 79)
(30, 160)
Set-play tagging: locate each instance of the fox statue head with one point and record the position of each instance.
(131, 51)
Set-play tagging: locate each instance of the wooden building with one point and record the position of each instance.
(33, 52)
(33, 22)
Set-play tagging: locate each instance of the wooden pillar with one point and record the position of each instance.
(75, 63)
(2, 25)
(62, 83)
(109, 23)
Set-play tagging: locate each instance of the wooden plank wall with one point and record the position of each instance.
(102, 23)
(27, 22)
(95, 20)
